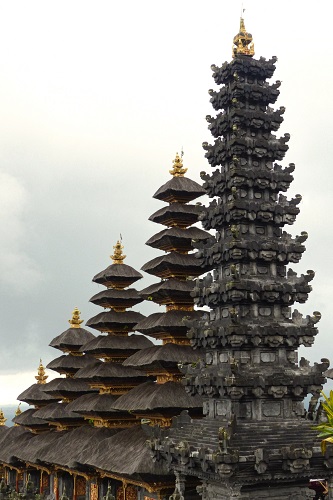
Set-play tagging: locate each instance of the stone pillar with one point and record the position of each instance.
(180, 483)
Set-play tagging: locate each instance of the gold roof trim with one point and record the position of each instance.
(75, 322)
(243, 42)
(177, 168)
(118, 257)
(40, 377)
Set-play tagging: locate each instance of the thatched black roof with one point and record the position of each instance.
(130, 456)
(152, 396)
(177, 214)
(94, 404)
(27, 419)
(111, 297)
(170, 322)
(35, 395)
(113, 321)
(179, 189)
(57, 412)
(11, 442)
(69, 364)
(117, 275)
(68, 387)
(163, 356)
(70, 446)
(174, 264)
(109, 372)
(178, 239)
(33, 449)
(72, 339)
(170, 291)
(115, 344)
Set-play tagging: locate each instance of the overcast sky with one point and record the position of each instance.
(96, 98)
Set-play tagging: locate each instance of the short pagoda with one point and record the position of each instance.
(107, 374)
(256, 440)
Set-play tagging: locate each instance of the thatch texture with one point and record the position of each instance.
(174, 264)
(27, 418)
(178, 239)
(163, 356)
(33, 449)
(177, 214)
(117, 275)
(152, 396)
(57, 412)
(35, 395)
(67, 387)
(170, 322)
(179, 189)
(115, 344)
(130, 456)
(109, 372)
(72, 339)
(69, 364)
(112, 297)
(94, 404)
(11, 442)
(120, 322)
(170, 291)
(69, 448)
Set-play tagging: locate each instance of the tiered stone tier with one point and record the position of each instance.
(251, 376)
(159, 402)
(106, 374)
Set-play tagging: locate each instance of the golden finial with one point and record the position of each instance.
(118, 255)
(75, 322)
(243, 41)
(177, 169)
(3, 420)
(18, 410)
(41, 377)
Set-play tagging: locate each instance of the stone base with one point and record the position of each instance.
(225, 492)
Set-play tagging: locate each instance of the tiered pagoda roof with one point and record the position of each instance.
(255, 441)
(108, 375)
(158, 402)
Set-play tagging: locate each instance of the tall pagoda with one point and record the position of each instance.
(256, 440)
(160, 401)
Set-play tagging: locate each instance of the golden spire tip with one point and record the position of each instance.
(118, 257)
(41, 377)
(75, 322)
(3, 420)
(243, 41)
(177, 168)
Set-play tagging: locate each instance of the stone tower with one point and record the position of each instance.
(256, 440)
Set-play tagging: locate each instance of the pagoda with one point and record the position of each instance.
(158, 402)
(66, 389)
(256, 440)
(160, 397)
(106, 374)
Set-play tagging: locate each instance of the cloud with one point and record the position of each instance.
(17, 269)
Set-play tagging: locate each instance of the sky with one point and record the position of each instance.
(96, 97)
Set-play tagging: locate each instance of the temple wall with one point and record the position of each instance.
(214, 491)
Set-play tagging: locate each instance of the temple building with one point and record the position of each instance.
(256, 440)
(214, 410)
